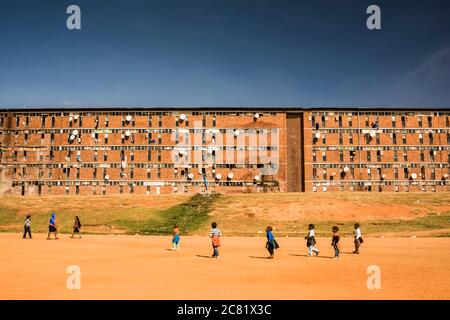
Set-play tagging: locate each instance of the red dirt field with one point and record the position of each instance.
(141, 267)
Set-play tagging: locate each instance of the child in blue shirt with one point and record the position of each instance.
(271, 243)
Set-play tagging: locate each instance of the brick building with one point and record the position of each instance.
(176, 150)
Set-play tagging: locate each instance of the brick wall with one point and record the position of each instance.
(379, 151)
(312, 151)
(109, 154)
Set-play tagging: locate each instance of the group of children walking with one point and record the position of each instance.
(272, 244)
(52, 228)
(311, 241)
(215, 234)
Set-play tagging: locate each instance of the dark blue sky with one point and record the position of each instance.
(224, 53)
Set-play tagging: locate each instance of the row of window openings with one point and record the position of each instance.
(77, 190)
(67, 172)
(370, 189)
(315, 124)
(95, 156)
(184, 189)
(379, 155)
(229, 166)
(125, 122)
(79, 121)
(124, 138)
(78, 156)
(184, 173)
(406, 174)
(96, 139)
(143, 113)
(375, 124)
(368, 139)
(174, 184)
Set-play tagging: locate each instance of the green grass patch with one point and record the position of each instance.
(190, 216)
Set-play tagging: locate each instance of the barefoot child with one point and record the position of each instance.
(215, 239)
(176, 238)
(27, 227)
(311, 241)
(335, 241)
(52, 227)
(271, 244)
(76, 227)
(358, 238)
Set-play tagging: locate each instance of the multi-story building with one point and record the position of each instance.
(179, 150)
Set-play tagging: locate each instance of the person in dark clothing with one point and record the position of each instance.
(335, 241)
(76, 227)
(27, 227)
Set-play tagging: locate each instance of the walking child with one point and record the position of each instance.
(52, 227)
(335, 241)
(271, 243)
(358, 237)
(176, 238)
(76, 227)
(215, 235)
(311, 241)
(27, 227)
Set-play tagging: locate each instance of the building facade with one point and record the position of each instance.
(171, 150)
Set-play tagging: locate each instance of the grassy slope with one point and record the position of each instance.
(190, 216)
(236, 214)
(428, 212)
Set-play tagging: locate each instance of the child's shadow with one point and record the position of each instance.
(305, 255)
(254, 257)
(201, 256)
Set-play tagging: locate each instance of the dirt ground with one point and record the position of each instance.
(142, 267)
(319, 207)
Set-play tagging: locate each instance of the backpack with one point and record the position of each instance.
(276, 244)
(310, 241)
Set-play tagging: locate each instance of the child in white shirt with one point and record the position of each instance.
(27, 227)
(311, 241)
(358, 237)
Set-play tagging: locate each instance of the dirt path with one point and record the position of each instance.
(137, 267)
